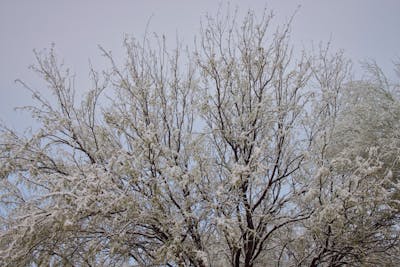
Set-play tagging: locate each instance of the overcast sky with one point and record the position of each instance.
(365, 29)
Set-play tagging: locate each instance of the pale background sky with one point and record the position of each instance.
(365, 29)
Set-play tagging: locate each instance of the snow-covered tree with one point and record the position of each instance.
(355, 192)
(237, 153)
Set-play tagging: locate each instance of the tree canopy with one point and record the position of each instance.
(239, 152)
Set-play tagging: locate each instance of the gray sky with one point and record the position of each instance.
(365, 29)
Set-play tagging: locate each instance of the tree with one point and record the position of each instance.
(213, 157)
(355, 191)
